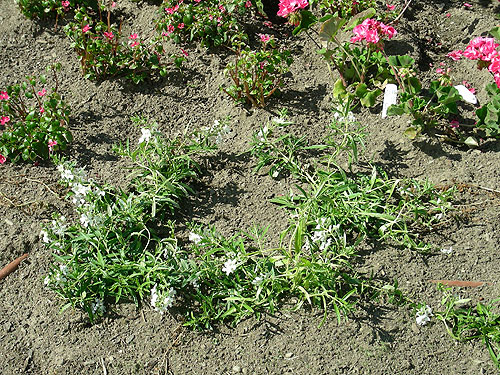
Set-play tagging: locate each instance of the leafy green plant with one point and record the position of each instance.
(257, 75)
(212, 22)
(102, 53)
(427, 107)
(345, 8)
(489, 114)
(33, 120)
(466, 323)
(45, 8)
(114, 253)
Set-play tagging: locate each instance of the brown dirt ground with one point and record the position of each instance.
(377, 339)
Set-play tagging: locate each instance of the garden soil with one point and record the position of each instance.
(378, 338)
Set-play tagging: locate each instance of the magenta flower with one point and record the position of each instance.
(248, 4)
(4, 120)
(454, 124)
(264, 38)
(181, 25)
(51, 144)
(455, 55)
(287, 7)
(109, 35)
(184, 53)
(65, 4)
(42, 93)
(133, 36)
(369, 30)
(86, 28)
(467, 5)
(4, 95)
(2, 159)
(170, 28)
(42, 110)
(390, 7)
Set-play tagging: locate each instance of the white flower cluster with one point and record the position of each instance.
(424, 315)
(59, 278)
(230, 266)
(261, 135)
(146, 135)
(195, 238)
(216, 132)
(162, 301)
(321, 236)
(341, 117)
(98, 307)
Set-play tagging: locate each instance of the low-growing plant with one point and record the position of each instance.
(345, 8)
(430, 108)
(103, 54)
(114, 252)
(257, 75)
(466, 323)
(33, 119)
(213, 23)
(46, 8)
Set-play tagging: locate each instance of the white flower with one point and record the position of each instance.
(81, 192)
(46, 281)
(45, 236)
(195, 238)
(84, 220)
(447, 250)
(262, 134)
(146, 135)
(258, 280)
(424, 315)
(230, 266)
(67, 175)
(98, 307)
(161, 302)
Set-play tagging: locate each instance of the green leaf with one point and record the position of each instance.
(370, 98)
(411, 133)
(307, 20)
(495, 32)
(414, 85)
(360, 17)
(395, 110)
(339, 90)
(330, 28)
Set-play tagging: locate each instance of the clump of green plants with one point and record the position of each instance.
(465, 322)
(345, 8)
(103, 53)
(257, 75)
(114, 252)
(33, 119)
(213, 23)
(45, 8)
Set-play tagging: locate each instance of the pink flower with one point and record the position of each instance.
(390, 7)
(248, 4)
(113, 4)
(439, 71)
(42, 93)
(184, 53)
(494, 67)
(51, 144)
(170, 28)
(447, 15)
(454, 124)
(4, 95)
(4, 120)
(42, 110)
(2, 159)
(455, 55)
(268, 24)
(496, 76)
(65, 4)
(369, 30)
(264, 38)
(222, 9)
(181, 25)
(109, 35)
(133, 36)
(467, 5)
(134, 44)
(289, 6)
(86, 28)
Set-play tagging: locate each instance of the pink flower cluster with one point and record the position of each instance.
(2, 159)
(4, 120)
(371, 30)
(4, 95)
(290, 6)
(484, 50)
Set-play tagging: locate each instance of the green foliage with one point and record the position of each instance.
(466, 323)
(102, 54)
(257, 75)
(488, 114)
(33, 116)
(212, 22)
(46, 8)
